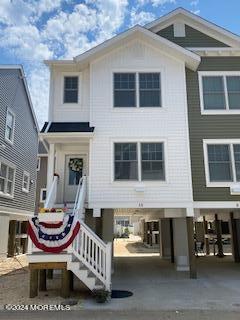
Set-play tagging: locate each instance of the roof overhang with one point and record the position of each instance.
(216, 52)
(196, 22)
(191, 59)
(66, 137)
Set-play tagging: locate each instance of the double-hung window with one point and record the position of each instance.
(125, 155)
(7, 177)
(9, 129)
(223, 162)
(220, 92)
(26, 182)
(152, 161)
(149, 90)
(70, 89)
(140, 161)
(124, 90)
(137, 89)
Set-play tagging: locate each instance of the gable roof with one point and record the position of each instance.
(23, 78)
(196, 22)
(191, 59)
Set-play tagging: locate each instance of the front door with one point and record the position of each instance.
(75, 166)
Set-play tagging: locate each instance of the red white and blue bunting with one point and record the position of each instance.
(53, 237)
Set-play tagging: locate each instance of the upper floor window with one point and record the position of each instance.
(137, 89)
(7, 178)
(149, 165)
(9, 129)
(124, 90)
(149, 90)
(220, 92)
(70, 89)
(26, 181)
(223, 162)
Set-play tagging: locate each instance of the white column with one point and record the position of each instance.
(181, 244)
(50, 169)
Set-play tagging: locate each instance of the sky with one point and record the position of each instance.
(34, 30)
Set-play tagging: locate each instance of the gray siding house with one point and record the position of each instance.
(18, 159)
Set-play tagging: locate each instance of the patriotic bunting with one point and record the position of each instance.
(53, 237)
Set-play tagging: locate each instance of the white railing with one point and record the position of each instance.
(95, 254)
(80, 198)
(51, 194)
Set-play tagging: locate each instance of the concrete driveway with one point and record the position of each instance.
(157, 286)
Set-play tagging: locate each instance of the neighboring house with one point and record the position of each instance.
(151, 117)
(18, 159)
(41, 188)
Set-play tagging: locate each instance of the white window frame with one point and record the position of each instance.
(223, 74)
(220, 184)
(8, 164)
(139, 162)
(137, 71)
(74, 104)
(13, 128)
(26, 174)
(41, 194)
(38, 163)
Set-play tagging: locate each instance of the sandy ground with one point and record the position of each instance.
(14, 284)
(133, 247)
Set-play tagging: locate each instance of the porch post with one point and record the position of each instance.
(234, 239)
(12, 238)
(50, 169)
(191, 249)
(205, 226)
(219, 237)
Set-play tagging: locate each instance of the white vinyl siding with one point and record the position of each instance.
(9, 129)
(7, 179)
(26, 182)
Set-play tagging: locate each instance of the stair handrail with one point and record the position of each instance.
(94, 253)
(51, 194)
(80, 197)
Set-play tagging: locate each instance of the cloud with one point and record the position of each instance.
(141, 17)
(61, 33)
(155, 3)
(34, 30)
(38, 82)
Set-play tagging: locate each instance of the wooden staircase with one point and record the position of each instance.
(88, 257)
